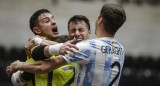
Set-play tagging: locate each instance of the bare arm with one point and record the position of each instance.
(62, 49)
(31, 43)
(37, 66)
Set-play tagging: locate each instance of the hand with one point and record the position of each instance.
(68, 46)
(30, 44)
(13, 67)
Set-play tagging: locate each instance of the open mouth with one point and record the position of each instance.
(78, 40)
(54, 30)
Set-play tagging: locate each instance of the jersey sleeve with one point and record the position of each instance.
(82, 55)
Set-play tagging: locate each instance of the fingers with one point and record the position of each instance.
(72, 50)
(33, 37)
(30, 43)
(9, 71)
(72, 46)
(64, 49)
(29, 38)
(67, 47)
(73, 41)
(28, 52)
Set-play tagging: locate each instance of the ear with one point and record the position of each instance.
(100, 21)
(89, 32)
(37, 30)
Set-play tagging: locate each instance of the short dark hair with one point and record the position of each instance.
(113, 16)
(34, 18)
(77, 18)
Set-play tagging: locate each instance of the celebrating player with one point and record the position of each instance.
(99, 61)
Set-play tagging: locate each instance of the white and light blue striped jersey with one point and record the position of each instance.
(100, 62)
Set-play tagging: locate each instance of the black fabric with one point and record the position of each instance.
(50, 76)
(27, 76)
(33, 80)
(38, 53)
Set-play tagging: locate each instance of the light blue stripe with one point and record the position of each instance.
(121, 61)
(107, 73)
(89, 74)
(79, 75)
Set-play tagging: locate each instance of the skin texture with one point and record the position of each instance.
(47, 26)
(111, 18)
(79, 30)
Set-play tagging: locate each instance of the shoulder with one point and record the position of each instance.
(85, 43)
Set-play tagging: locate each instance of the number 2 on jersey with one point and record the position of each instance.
(115, 78)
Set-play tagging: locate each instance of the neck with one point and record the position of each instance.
(104, 35)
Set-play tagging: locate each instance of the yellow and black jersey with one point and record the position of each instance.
(63, 76)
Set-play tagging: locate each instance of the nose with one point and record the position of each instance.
(53, 21)
(77, 33)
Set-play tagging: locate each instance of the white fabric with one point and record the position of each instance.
(37, 41)
(54, 49)
(96, 58)
(67, 59)
(16, 80)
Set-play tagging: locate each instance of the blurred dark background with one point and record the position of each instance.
(137, 71)
(139, 35)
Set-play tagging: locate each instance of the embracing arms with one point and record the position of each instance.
(40, 66)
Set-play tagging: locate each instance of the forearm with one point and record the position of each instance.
(42, 66)
(43, 52)
(48, 42)
(55, 49)
(32, 67)
(38, 51)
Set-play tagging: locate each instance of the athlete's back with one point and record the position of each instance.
(100, 62)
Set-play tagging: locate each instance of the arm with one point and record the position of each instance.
(35, 41)
(17, 79)
(46, 66)
(37, 66)
(44, 52)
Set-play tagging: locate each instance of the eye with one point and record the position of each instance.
(46, 20)
(80, 29)
(73, 30)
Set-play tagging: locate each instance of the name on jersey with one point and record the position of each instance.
(112, 50)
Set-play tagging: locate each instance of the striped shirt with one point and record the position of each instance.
(99, 62)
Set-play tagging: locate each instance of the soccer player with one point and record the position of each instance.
(99, 61)
(43, 24)
(79, 27)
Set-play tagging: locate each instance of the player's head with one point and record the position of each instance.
(79, 27)
(42, 23)
(112, 16)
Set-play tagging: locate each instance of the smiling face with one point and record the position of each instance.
(47, 26)
(79, 30)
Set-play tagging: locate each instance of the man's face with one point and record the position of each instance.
(79, 30)
(47, 25)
